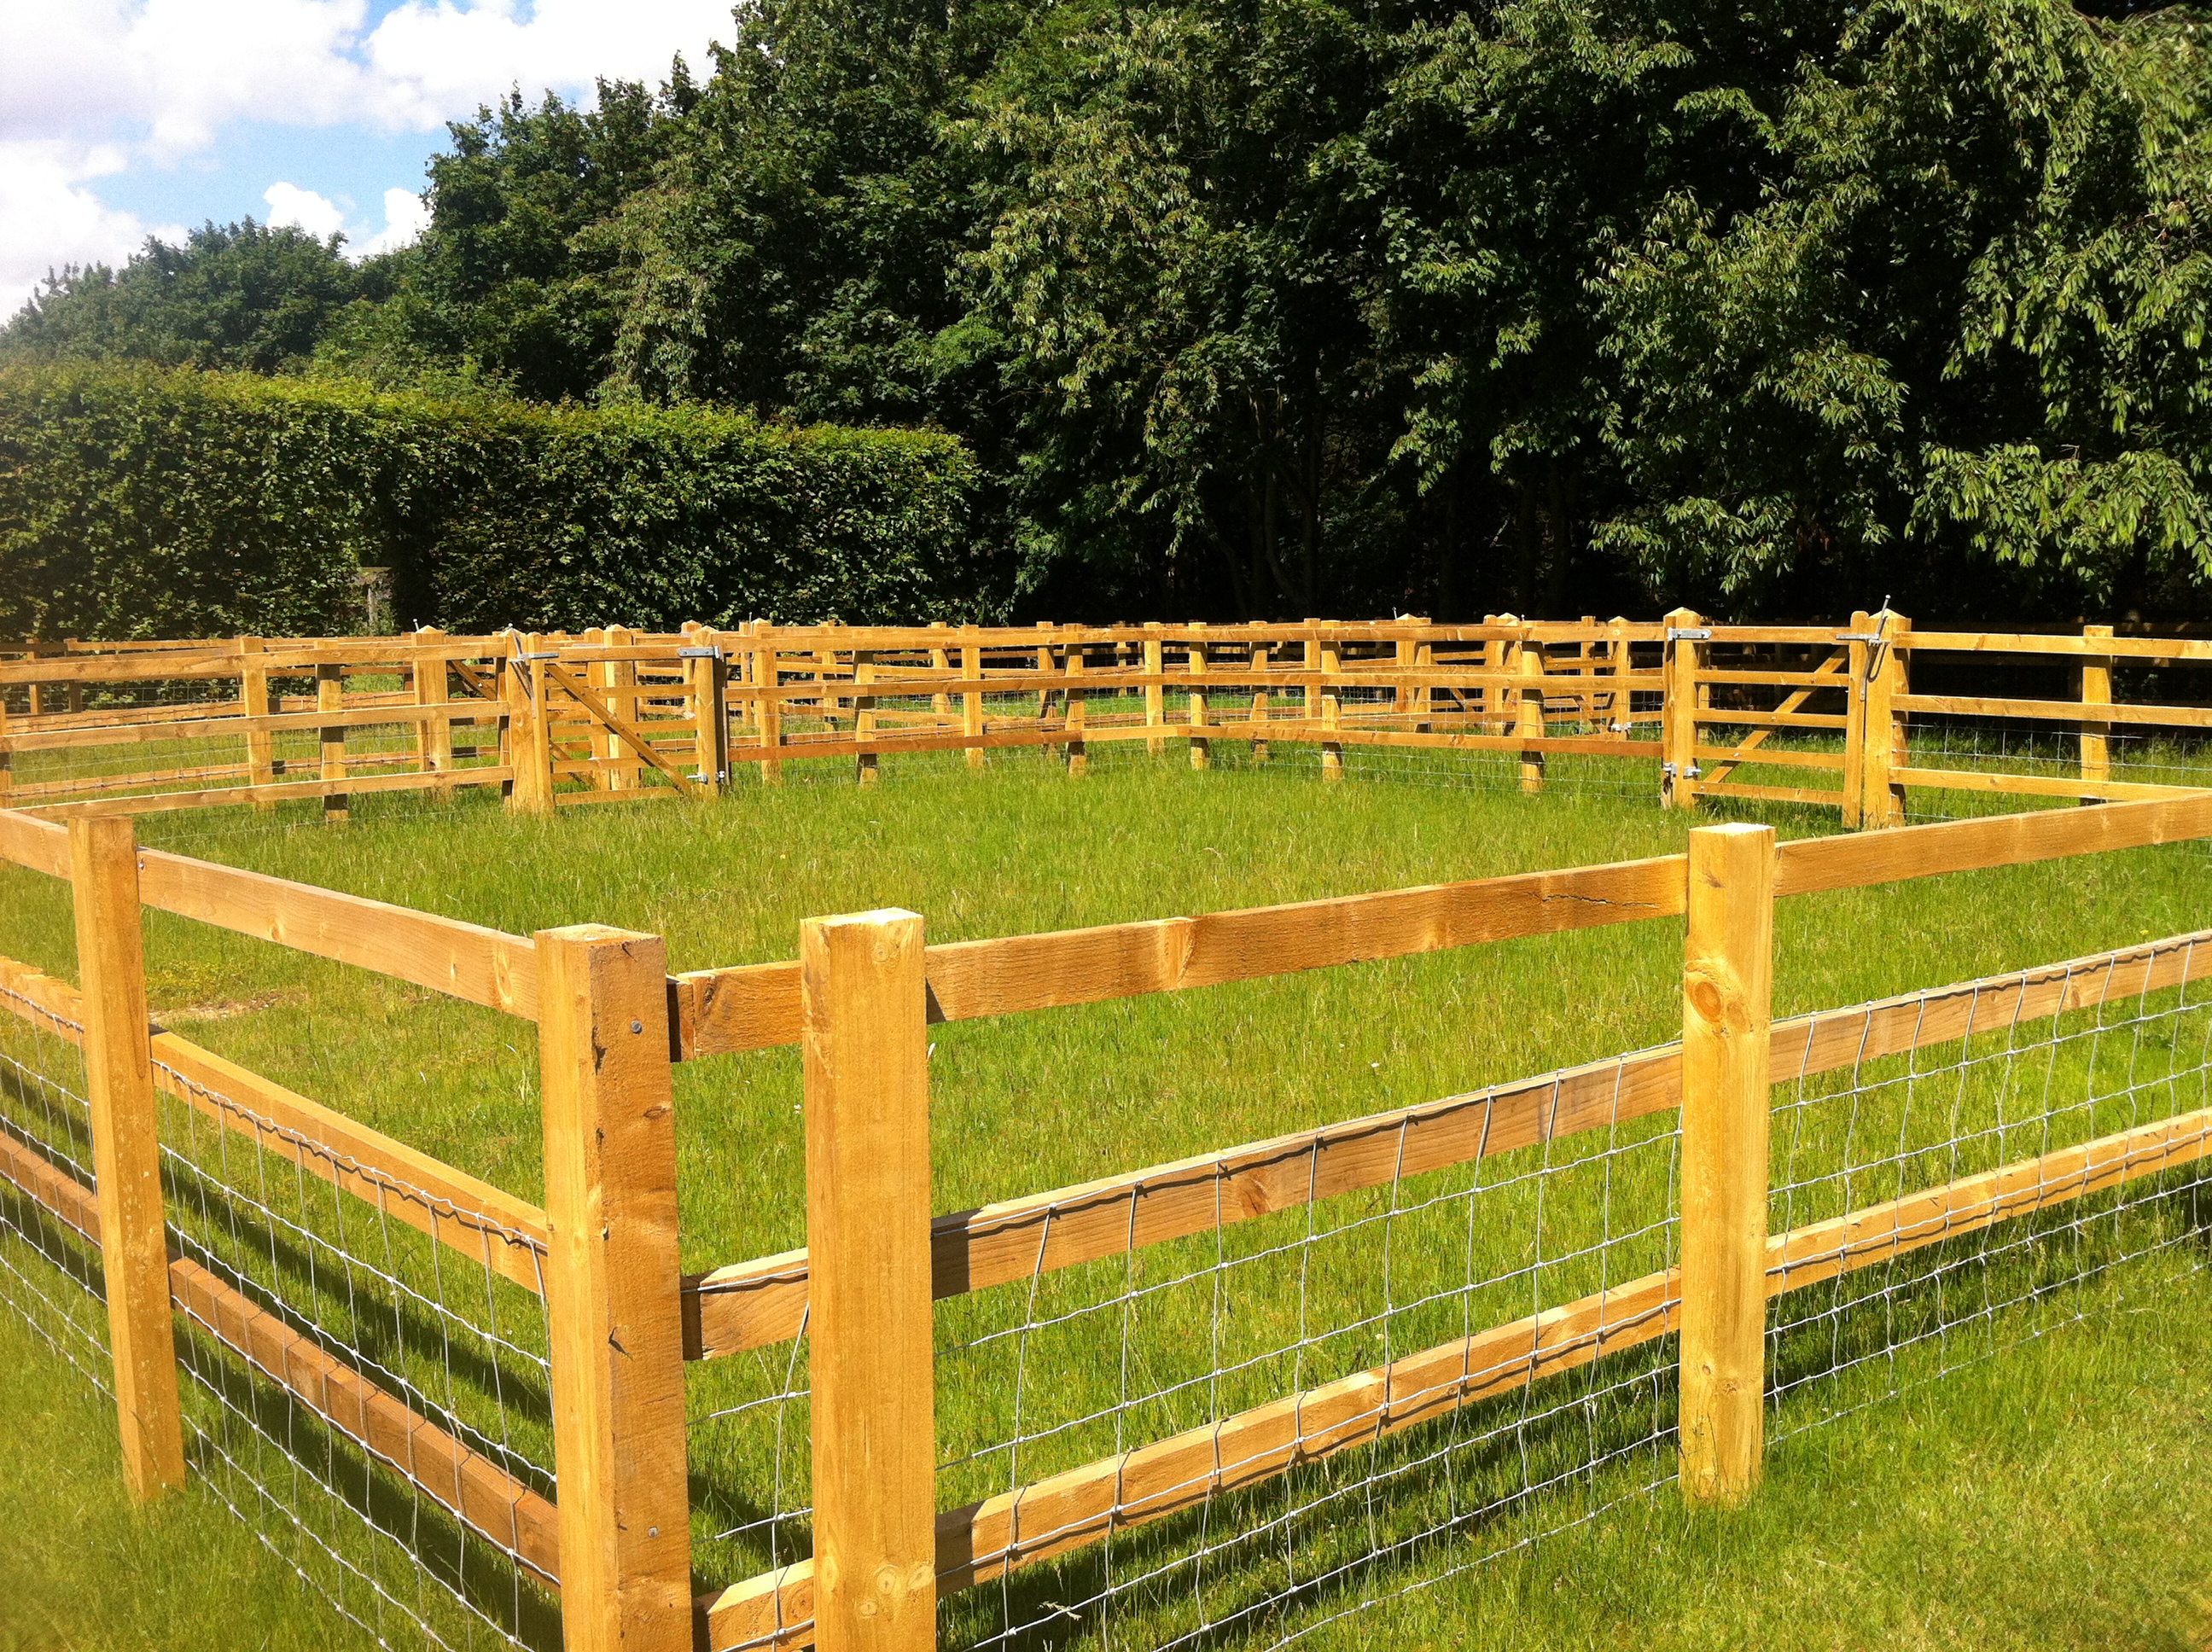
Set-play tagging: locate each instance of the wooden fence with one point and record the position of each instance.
(1821, 716)
(602, 1251)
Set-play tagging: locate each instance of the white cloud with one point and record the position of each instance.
(49, 219)
(404, 218)
(91, 87)
(302, 209)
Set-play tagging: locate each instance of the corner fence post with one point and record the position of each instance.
(1678, 727)
(612, 1292)
(1886, 722)
(119, 1072)
(1728, 972)
(864, 1053)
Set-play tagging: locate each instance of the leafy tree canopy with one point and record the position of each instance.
(1287, 306)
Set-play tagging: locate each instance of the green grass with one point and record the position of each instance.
(1043, 1101)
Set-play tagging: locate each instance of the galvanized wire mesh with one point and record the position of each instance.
(1955, 1113)
(372, 1402)
(1084, 1371)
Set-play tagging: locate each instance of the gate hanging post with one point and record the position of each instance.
(1886, 723)
(612, 1290)
(865, 1056)
(710, 709)
(1678, 682)
(2096, 690)
(1859, 656)
(119, 1072)
(1728, 972)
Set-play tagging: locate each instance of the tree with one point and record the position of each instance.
(233, 295)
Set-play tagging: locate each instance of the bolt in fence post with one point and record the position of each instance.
(119, 1072)
(1530, 719)
(253, 700)
(866, 1059)
(1728, 971)
(2096, 690)
(612, 1290)
(1678, 684)
(971, 702)
(1857, 657)
(1886, 723)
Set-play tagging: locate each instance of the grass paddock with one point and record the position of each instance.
(2041, 1496)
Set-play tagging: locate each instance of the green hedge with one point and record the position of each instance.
(136, 502)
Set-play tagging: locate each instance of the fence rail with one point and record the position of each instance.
(509, 1380)
(1825, 717)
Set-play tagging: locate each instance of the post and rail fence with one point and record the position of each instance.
(1824, 716)
(577, 1473)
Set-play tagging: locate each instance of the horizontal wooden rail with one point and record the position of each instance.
(481, 1222)
(394, 712)
(2179, 650)
(753, 1303)
(465, 961)
(755, 1006)
(1080, 1507)
(277, 791)
(473, 1489)
(2058, 711)
(2036, 785)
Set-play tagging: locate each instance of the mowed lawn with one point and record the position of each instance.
(2047, 1496)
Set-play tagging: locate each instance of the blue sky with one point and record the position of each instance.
(122, 119)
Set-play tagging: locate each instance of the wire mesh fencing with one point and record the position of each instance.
(2037, 1132)
(364, 1365)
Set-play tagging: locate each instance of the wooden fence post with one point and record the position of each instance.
(434, 736)
(1857, 658)
(768, 680)
(865, 769)
(2096, 690)
(118, 1073)
(866, 1059)
(529, 740)
(1079, 758)
(253, 700)
(1885, 724)
(1727, 988)
(1621, 721)
(1678, 683)
(710, 711)
(1262, 661)
(329, 695)
(612, 1290)
(1201, 749)
(1332, 707)
(1529, 720)
(971, 702)
(1156, 692)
